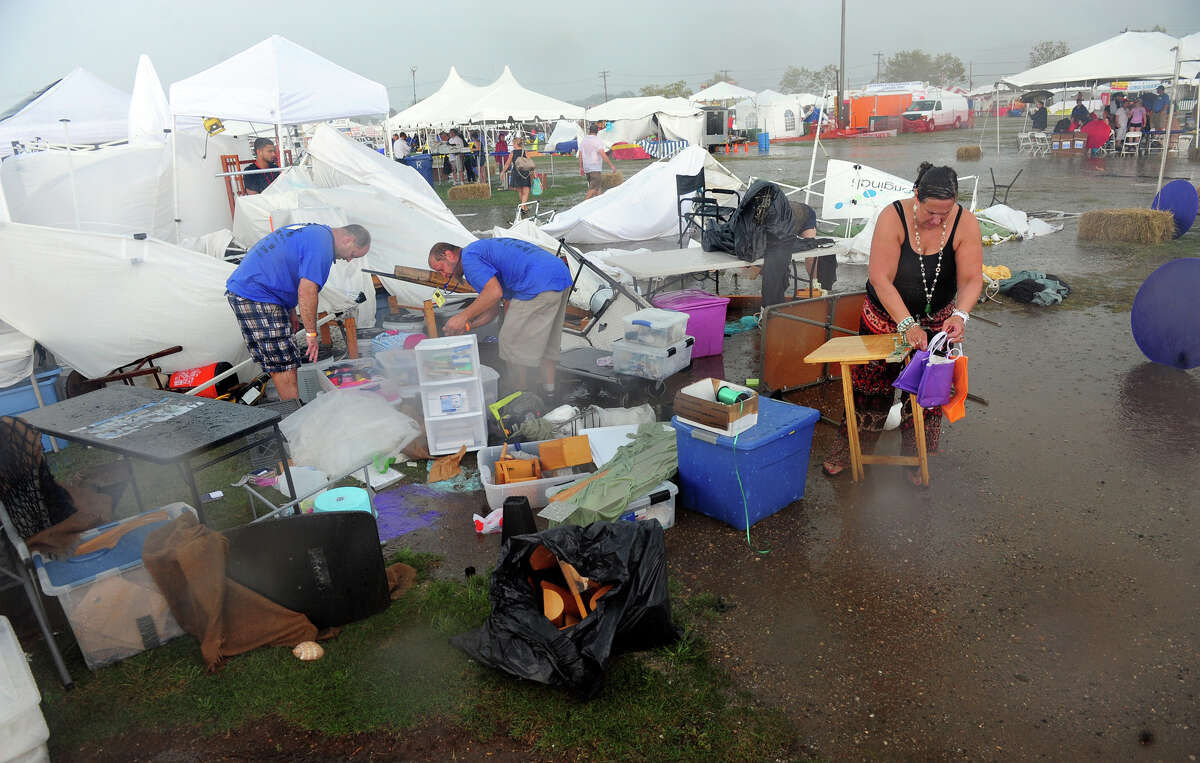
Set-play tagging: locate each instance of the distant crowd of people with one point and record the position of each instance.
(1123, 114)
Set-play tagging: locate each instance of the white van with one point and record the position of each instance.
(936, 111)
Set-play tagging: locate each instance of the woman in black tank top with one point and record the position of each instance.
(926, 273)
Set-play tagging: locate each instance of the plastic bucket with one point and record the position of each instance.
(706, 318)
(764, 143)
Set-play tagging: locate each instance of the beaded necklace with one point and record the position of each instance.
(937, 271)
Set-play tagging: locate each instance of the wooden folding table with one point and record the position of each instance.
(856, 351)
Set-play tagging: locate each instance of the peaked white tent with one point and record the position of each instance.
(642, 208)
(278, 82)
(149, 113)
(774, 113)
(507, 100)
(1127, 56)
(442, 109)
(722, 92)
(99, 113)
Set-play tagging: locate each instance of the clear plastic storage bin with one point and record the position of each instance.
(448, 434)
(399, 365)
(451, 358)
(654, 327)
(534, 490)
(112, 604)
(658, 504)
(654, 363)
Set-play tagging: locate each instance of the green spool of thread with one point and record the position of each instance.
(730, 396)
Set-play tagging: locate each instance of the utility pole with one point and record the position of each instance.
(878, 66)
(724, 75)
(604, 76)
(971, 76)
(414, 79)
(841, 83)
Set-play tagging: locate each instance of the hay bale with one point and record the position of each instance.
(1135, 226)
(969, 153)
(469, 191)
(611, 180)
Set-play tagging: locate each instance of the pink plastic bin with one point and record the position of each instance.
(706, 318)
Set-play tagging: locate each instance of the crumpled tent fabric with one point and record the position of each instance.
(278, 82)
(764, 216)
(1030, 286)
(128, 299)
(99, 113)
(636, 614)
(644, 207)
(1017, 221)
(187, 562)
(404, 215)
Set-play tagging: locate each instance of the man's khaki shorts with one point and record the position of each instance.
(593, 179)
(532, 330)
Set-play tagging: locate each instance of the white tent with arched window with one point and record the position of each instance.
(779, 115)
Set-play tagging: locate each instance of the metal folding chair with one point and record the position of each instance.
(704, 208)
(997, 187)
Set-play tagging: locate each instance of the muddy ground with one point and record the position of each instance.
(1040, 598)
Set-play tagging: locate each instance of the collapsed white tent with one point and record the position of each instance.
(127, 298)
(149, 112)
(350, 183)
(444, 108)
(642, 208)
(98, 113)
(507, 100)
(564, 131)
(631, 119)
(1127, 56)
(721, 92)
(278, 82)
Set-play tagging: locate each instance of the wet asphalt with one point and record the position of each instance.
(1042, 598)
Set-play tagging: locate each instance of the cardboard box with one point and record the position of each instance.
(697, 405)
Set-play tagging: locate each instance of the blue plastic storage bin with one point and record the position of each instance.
(422, 163)
(771, 458)
(19, 398)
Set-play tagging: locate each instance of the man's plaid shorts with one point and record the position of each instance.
(268, 333)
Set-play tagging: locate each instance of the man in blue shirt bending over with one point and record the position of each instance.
(285, 269)
(536, 285)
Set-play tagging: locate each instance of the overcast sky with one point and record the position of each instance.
(560, 51)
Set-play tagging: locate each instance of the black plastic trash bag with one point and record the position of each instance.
(635, 614)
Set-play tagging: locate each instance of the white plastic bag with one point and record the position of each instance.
(492, 523)
(615, 417)
(341, 430)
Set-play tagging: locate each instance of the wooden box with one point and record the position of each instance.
(697, 405)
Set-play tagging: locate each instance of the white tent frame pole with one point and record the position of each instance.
(278, 147)
(1166, 147)
(175, 176)
(996, 98)
(70, 171)
(812, 161)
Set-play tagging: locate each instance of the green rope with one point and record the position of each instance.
(745, 504)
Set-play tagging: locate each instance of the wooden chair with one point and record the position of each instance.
(233, 163)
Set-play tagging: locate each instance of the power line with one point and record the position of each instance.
(604, 76)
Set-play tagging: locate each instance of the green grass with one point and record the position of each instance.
(397, 670)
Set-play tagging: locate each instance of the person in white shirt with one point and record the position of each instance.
(456, 159)
(400, 147)
(1122, 115)
(591, 160)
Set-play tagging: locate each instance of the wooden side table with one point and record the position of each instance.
(856, 351)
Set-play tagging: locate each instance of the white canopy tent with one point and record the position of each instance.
(98, 113)
(507, 100)
(774, 113)
(721, 92)
(630, 119)
(280, 83)
(444, 108)
(1127, 56)
(642, 208)
(564, 131)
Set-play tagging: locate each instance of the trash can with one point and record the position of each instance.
(764, 143)
(422, 163)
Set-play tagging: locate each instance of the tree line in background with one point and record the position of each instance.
(943, 70)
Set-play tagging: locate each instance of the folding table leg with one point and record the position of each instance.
(185, 468)
(137, 493)
(919, 436)
(39, 611)
(857, 473)
(287, 469)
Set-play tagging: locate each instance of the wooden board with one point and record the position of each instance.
(433, 280)
(854, 349)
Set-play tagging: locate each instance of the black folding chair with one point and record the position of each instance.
(997, 187)
(704, 208)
